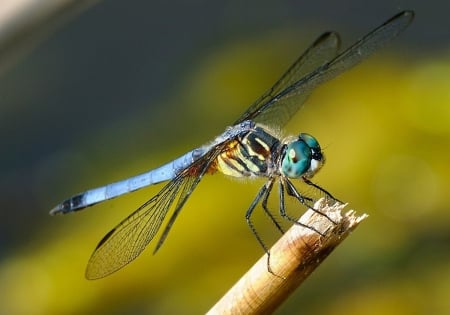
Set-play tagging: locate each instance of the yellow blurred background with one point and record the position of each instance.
(124, 87)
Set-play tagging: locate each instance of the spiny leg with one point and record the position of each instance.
(267, 210)
(307, 181)
(283, 209)
(292, 191)
(263, 193)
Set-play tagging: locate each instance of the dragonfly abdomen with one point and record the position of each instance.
(155, 176)
(249, 155)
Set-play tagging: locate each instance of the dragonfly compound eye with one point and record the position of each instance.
(245, 149)
(314, 145)
(297, 159)
(310, 141)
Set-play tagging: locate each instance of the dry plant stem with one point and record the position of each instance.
(298, 252)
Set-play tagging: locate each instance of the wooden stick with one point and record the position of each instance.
(292, 259)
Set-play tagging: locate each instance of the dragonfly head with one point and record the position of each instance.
(302, 157)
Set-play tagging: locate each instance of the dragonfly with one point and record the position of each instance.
(248, 148)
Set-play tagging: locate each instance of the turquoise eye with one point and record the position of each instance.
(313, 144)
(310, 141)
(297, 159)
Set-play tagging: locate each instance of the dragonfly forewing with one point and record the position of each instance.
(249, 148)
(280, 107)
(323, 50)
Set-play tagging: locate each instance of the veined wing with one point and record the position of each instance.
(324, 49)
(130, 237)
(278, 108)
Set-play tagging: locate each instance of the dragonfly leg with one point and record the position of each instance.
(307, 181)
(263, 193)
(267, 210)
(292, 191)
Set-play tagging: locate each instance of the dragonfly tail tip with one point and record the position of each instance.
(56, 210)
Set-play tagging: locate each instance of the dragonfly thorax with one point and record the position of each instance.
(251, 154)
(302, 157)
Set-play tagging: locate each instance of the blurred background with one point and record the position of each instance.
(96, 91)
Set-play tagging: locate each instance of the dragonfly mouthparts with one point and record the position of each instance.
(246, 149)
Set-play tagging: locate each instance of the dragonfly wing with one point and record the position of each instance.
(130, 237)
(324, 49)
(280, 107)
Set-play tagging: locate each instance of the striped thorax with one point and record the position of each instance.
(258, 153)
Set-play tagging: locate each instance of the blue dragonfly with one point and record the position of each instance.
(248, 148)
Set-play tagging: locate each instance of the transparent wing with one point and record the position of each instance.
(277, 107)
(130, 237)
(320, 52)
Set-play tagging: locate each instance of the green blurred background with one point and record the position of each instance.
(125, 86)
